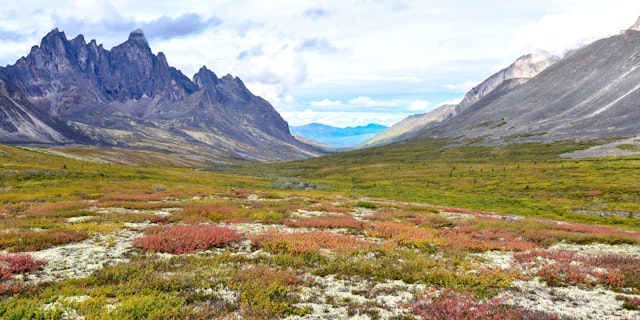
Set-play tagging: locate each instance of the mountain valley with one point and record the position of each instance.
(130, 191)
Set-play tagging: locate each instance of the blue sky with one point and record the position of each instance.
(343, 62)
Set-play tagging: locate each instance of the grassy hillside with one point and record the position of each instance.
(522, 179)
(411, 231)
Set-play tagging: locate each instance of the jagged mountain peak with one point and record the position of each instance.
(53, 34)
(205, 78)
(128, 96)
(137, 36)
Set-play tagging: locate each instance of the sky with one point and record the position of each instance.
(338, 62)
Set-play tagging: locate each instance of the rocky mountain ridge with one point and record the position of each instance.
(130, 97)
(519, 72)
(592, 93)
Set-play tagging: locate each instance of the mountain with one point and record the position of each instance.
(338, 137)
(591, 93)
(130, 97)
(411, 126)
(22, 122)
(519, 72)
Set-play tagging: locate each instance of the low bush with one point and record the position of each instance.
(187, 239)
(476, 239)
(452, 305)
(327, 222)
(12, 264)
(631, 303)
(266, 292)
(29, 240)
(304, 242)
(567, 267)
(214, 212)
(156, 305)
(366, 204)
(18, 263)
(404, 234)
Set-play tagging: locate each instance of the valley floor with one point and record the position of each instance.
(328, 257)
(83, 240)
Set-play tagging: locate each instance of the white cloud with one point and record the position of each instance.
(391, 56)
(368, 102)
(273, 74)
(452, 101)
(419, 106)
(577, 26)
(462, 87)
(326, 103)
(342, 119)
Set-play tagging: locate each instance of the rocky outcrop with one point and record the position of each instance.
(525, 67)
(129, 96)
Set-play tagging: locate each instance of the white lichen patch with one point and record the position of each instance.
(301, 213)
(600, 248)
(494, 259)
(456, 215)
(80, 219)
(570, 302)
(333, 298)
(165, 212)
(81, 259)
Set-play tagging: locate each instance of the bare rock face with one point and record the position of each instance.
(592, 93)
(525, 67)
(519, 72)
(128, 96)
(21, 122)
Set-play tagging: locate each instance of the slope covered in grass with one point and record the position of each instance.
(358, 234)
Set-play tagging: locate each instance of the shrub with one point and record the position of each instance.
(13, 264)
(631, 303)
(327, 222)
(29, 240)
(266, 293)
(452, 305)
(567, 267)
(18, 263)
(213, 212)
(366, 204)
(403, 234)
(158, 305)
(477, 239)
(187, 239)
(299, 243)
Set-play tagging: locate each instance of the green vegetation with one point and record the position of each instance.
(267, 240)
(521, 179)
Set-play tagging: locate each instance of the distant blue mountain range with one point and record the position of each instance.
(338, 137)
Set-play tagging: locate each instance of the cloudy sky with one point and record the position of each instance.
(337, 62)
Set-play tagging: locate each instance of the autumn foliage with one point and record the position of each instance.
(187, 239)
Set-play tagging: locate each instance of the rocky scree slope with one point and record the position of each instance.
(130, 97)
(519, 72)
(592, 93)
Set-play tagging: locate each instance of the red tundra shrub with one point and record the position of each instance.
(303, 242)
(327, 222)
(187, 239)
(12, 264)
(452, 305)
(18, 263)
(568, 267)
